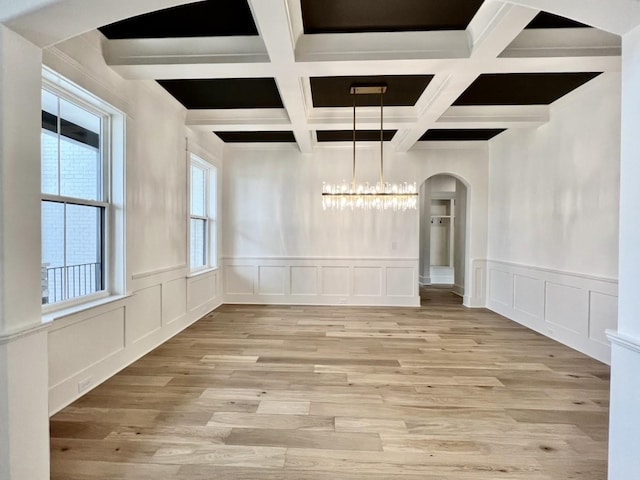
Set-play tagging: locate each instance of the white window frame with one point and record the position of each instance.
(112, 144)
(210, 216)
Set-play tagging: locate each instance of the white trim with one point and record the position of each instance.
(559, 272)
(198, 273)
(10, 336)
(624, 340)
(79, 308)
(354, 259)
(151, 273)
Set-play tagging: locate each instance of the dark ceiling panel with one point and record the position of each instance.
(460, 134)
(355, 16)
(211, 18)
(549, 20)
(225, 93)
(403, 90)
(522, 88)
(347, 135)
(256, 137)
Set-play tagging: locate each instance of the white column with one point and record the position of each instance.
(624, 429)
(24, 423)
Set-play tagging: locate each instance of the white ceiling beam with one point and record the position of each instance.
(553, 64)
(564, 42)
(272, 20)
(506, 64)
(494, 116)
(240, 119)
(441, 92)
(495, 26)
(194, 70)
(199, 50)
(346, 47)
(616, 16)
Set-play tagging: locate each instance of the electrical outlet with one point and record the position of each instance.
(84, 384)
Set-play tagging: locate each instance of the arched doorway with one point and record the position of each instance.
(443, 232)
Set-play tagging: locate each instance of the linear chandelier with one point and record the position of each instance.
(380, 196)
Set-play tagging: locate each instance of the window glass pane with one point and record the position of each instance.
(84, 227)
(49, 155)
(198, 243)
(80, 170)
(80, 160)
(78, 123)
(49, 103)
(198, 191)
(52, 252)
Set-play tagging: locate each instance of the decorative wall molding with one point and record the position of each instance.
(574, 309)
(475, 292)
(115, 335)
(623, 340)
(321, 281)
(12, 335)
(159, 271)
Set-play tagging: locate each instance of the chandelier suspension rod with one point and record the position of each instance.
(353, 176)
(381, 141)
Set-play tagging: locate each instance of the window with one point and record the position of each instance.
(202, 222)
(77, 218)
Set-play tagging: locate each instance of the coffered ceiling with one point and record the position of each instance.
(280, 70)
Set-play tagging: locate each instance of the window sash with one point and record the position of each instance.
(70, 282)
(198, 247)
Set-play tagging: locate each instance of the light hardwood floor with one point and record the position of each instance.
(323, 393)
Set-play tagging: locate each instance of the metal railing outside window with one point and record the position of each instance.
(71, 281)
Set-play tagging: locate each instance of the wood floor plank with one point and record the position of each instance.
(255, 392)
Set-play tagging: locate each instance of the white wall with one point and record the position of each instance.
(89, 346)
(273, 211)
(460, 236)
(624, 422)
(553, 219)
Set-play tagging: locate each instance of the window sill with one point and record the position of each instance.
(68, 311)
(204, 271)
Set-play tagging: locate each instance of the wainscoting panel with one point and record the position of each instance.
(401, 281)
(603, 312)
(303, 280)
(144, 315)
(239, 279)
(571, 308)
(102, 336)
(475, 290)
(271, 280)
(335, 281)
(174, 300)
(567, 307)
(500, 286)
(87, 347)
(528, 296)
(321, 281)
(201, 289)
(367, 281)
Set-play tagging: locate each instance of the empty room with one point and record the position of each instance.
(319, 239)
